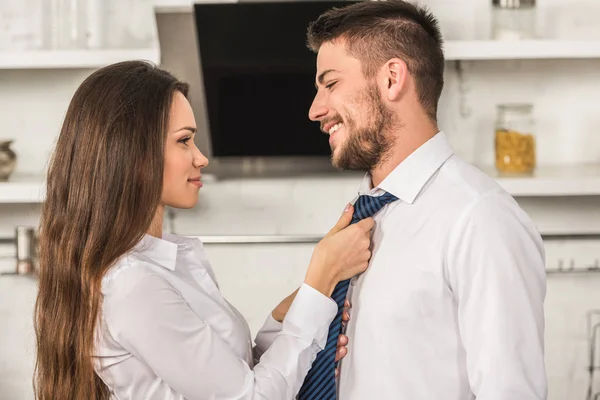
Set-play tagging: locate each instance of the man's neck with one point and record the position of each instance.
(406, 141)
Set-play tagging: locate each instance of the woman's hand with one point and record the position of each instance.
(282, 308)
(343, 253)
(342, 350)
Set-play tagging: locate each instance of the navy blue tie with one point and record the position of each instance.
(320, 381)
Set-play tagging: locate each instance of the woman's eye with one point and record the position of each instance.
(184, 140)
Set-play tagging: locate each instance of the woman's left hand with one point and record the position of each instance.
(281, 310)
(342, 350)
(341, 347)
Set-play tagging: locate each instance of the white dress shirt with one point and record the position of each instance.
(166, 332)
(451, 306)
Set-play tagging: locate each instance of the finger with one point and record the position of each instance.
(345, 316)
(344, 220)
(337, 372)
(367, 224)
(340, 353)
(342, 340)
(347, 303)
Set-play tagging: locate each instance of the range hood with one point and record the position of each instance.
(249, 92)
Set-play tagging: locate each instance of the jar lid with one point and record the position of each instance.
(519, 108)
(514, 105)
(513, 3)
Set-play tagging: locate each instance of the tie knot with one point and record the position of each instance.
(367, 206)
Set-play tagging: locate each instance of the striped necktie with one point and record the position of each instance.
(320, 381)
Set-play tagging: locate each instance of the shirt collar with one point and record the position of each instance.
(408, 179)
(163, 250)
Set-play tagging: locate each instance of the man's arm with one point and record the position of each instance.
(496, 266)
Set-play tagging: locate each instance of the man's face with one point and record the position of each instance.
(350, 110)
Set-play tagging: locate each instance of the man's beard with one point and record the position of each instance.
(365, 148)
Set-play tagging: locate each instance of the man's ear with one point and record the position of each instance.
(393, 77)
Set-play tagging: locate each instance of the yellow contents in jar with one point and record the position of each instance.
(515, 152)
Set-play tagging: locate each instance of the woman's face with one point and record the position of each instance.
(183, 160)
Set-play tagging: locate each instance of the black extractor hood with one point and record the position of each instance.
(252, 82)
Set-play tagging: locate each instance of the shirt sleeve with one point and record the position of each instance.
(496, 266)
(265, 336)
(154, 323)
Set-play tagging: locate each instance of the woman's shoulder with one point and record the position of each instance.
(129, 271)
(151, 261)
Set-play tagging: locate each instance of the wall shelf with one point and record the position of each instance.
(22, 189)
(521, 50)
(559, 180)
(468, 49)
(76, 59)
(547, 181)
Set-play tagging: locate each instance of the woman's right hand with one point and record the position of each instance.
(343, 253)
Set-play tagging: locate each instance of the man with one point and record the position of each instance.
(451, 306)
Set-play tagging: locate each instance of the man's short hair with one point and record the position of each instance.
(377, 31)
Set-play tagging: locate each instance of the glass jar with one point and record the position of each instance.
(515, 141)
(513, 19)
(131, 24)
(64, 24)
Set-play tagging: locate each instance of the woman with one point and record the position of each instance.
(126, 312)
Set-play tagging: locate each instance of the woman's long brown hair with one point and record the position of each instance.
(104, 185)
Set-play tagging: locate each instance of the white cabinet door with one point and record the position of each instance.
(17, 338)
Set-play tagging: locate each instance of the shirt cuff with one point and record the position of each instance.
(267, 334)
(312, 312)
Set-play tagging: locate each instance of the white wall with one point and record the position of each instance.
(255, 277)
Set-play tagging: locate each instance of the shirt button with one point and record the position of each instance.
(353, 281)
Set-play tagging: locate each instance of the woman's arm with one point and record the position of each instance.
(155, 324)
(272, 326)
(282, 308)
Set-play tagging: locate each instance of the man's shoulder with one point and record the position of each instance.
(477, 195)
(460, 189)
(467, 183)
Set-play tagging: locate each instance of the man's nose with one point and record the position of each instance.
(318, 109)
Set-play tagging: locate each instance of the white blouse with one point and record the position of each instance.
(166, 332)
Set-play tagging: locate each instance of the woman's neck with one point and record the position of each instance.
(157, 223)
